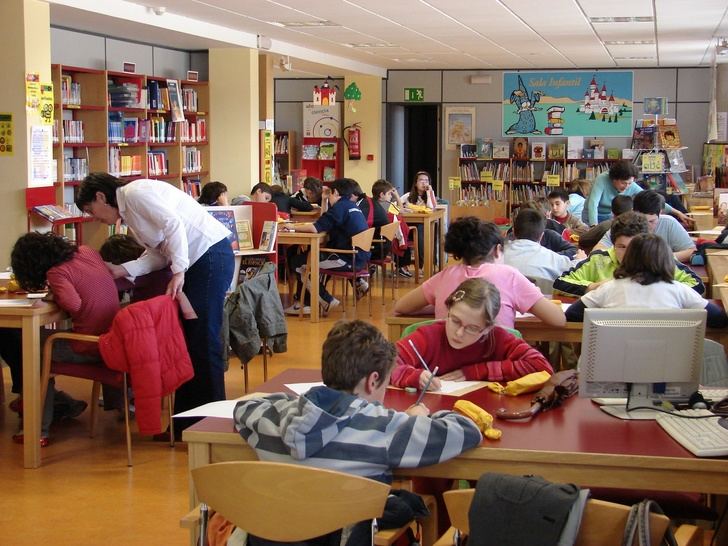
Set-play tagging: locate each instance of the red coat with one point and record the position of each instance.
(146, 340)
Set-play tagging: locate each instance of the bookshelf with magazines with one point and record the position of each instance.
(123, 123)
(484, 183)
(657, 152)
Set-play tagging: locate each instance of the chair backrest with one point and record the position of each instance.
(546, 286)
(389, 231)
(363, 240)
(285, 502)
(715, 365)
(602, 523)
(412, 327)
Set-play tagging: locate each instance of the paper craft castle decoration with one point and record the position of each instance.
(596, 102)
(324, 95)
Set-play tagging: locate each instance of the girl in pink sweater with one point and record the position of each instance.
(467, 345)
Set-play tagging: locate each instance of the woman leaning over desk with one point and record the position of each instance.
(467, 345)
(176, 231)
(480, 247)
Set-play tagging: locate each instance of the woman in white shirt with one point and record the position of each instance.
(178, 232)
(421, 194)
(644, 279)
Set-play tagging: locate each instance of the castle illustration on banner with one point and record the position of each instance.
(564, 104)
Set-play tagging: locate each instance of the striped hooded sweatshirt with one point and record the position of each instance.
(334, 430)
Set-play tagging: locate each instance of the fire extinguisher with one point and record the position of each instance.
(354, 134)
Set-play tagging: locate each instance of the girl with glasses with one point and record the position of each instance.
(467, 345)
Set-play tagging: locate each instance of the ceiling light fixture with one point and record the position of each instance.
(721, 48)
(303, 24)
(634, 58)
(640, 19)
(629, 42)
(364, 45)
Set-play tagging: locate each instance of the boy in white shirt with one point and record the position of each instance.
(526, 254)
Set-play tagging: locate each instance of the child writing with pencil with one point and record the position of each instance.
(466, 345)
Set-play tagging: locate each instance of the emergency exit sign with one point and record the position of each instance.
(414, 94)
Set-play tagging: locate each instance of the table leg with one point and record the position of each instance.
(31, 391)
(314, 287)
(441, 232)
(429, 247)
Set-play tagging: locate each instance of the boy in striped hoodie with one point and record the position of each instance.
(343, 425)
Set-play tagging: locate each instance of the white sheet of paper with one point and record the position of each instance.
(5, 275)
(301, 388)
(18, 302)
(448, 387)
(223, 408)
(564, 307)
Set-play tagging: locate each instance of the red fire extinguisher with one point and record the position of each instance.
(354, 134)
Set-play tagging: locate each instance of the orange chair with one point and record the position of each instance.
(387, 233)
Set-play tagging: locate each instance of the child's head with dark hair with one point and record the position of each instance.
(472, 240)
(621, 174)
(344, 187)
(213, 193)
(261, 193)
(356, 190)
(313, 188)
(529, 224)
(120, 248)
(624, 228)
(380, 188)
(559, 202)
(622, 204)
(649, 202)
(648, 260)
(352, 352)
(94, 183)
(34, 254)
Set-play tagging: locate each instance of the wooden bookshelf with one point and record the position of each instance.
(106, 139)
(284, 153)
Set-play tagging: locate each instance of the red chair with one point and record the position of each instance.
(360, 242)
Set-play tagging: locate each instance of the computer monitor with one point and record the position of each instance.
(647, 356)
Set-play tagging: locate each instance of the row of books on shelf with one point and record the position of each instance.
(157, 96)
(70, 91)
(587, 172)
(530, 173)
(124, 165)
(524, 192)
(55, 212)
(280, 144)
(127, 93)
(482, 194)
(521, 149)
(73, 131)
(192, 160)
(192, 186)
(189, 99)
(75, 168)
(132, 130)
(157, 164)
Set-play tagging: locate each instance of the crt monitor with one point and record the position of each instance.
(644, 355)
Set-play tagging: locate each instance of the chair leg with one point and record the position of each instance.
(245, 377)
(126, 422)
(416, 247)
(94, 413)
(383, 270)
(306, 288)
(395, 273)
(265, 359)
(2, 385)
(170, 409)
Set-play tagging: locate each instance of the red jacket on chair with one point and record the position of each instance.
(146, 340)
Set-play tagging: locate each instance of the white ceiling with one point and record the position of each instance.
(375, 35)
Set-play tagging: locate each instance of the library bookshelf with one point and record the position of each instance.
(122, 123)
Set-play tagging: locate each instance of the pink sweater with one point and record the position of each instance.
(500, 356)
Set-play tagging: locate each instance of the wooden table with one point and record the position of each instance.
(30, 319)
(313, 241)
(428, 221)
(305, 216)
(531, 328)
(576, 442)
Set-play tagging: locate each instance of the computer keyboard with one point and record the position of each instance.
(702, 437)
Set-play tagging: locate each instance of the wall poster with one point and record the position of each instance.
(567, 103)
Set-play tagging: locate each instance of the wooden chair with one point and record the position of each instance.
(387, 233)
(98, 374)
(286, 502)
(602, 523)
(359, 243)
(415, 246)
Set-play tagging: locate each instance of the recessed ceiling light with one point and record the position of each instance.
(629, 42)
(298, 24)
(645, 19)
(369, 44)
(633, 58)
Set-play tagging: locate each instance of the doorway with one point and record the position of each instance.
(413, 137)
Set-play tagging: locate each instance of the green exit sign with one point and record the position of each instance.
(414, 94)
